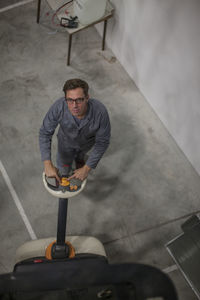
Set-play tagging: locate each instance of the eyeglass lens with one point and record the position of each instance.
(78, 100)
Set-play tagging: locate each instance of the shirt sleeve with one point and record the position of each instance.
(102, 141)
(47, 129)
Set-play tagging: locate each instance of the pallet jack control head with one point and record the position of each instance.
(66, 189)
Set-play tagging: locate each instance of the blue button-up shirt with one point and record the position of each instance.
(92, 132)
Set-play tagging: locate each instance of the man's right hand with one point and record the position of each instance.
(50, 170)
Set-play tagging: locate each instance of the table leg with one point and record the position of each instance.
(38, 11)
(69, 49)
(104, 35)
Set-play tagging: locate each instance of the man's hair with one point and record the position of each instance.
(75, 83)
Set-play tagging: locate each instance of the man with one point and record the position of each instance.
(84, 125)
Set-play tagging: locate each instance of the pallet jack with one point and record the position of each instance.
(76, 267)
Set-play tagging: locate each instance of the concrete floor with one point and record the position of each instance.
(143, 188)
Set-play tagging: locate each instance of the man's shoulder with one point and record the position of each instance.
(97, 105)
(58, 109)
(59, 102)
(58, 105)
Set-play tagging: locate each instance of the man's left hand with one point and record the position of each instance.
(81, 173)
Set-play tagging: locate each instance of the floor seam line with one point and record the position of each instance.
(6, 8)
(17, 202)
(153, 227)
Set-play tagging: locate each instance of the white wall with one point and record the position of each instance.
(158, 43)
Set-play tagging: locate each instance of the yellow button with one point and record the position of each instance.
(64, 181)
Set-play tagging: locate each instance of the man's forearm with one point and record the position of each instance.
(47, 129)
(47, 163)
(50, 170)
(45, 146)
(96, 154)
(48, 166)
(87, 168)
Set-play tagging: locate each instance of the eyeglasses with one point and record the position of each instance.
(77, 100)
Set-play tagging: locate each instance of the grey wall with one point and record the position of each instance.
(158, 43)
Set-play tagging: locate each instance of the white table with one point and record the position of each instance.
(54, 5)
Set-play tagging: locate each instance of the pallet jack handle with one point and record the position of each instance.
(60, 249)
(62, 221)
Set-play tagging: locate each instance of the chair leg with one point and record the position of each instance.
(38, 11)
(69, 49)
(104, 35)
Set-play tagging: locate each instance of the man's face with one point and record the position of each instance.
(77, 108)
